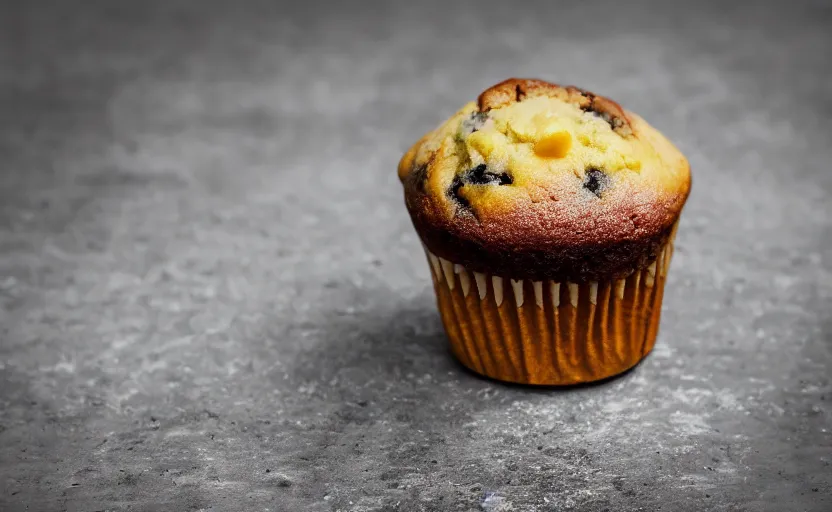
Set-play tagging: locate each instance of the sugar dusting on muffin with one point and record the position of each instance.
(544, 140)
(538, 179)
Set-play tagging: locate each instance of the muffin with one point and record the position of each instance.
(548, 215)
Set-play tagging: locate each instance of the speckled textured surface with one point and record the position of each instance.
(212, 298)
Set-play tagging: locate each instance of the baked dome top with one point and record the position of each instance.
(537, 167)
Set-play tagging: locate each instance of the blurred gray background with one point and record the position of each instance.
(211, 296)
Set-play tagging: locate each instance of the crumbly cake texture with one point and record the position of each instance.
(540, 181)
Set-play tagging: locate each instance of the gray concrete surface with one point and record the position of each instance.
(212, 298)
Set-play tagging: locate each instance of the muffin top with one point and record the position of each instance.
(541, 181)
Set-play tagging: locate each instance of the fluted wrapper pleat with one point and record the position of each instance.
(545, 332)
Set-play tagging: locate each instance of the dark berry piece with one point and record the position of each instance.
(474, 122)
(454, 192)
(596, 181)
(476, 175)
(519, 93)
(420, 175)
(614, 122)
(480, 175)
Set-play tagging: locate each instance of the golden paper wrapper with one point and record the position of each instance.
(548, 333)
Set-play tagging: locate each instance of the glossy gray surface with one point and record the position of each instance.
(211, 296)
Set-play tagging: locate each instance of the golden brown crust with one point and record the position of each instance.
(562, 227)
(515, 90)
(547, 240)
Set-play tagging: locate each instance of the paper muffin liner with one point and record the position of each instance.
(546, 332)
